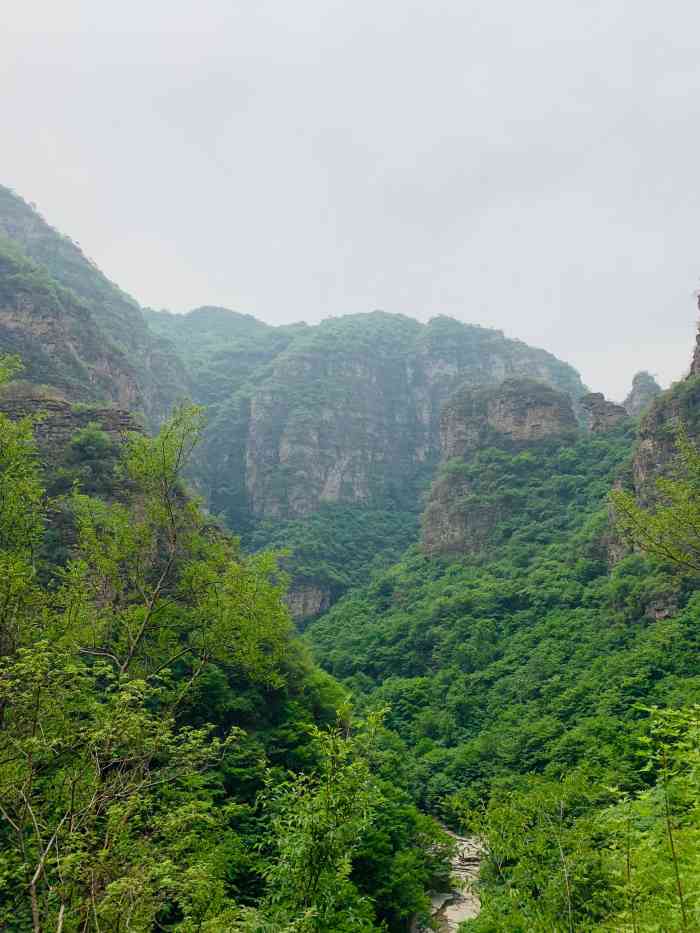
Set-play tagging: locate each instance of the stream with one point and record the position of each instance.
(451, 908)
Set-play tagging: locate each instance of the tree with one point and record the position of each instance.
(106, 794)
(21, 521)
(317, 823)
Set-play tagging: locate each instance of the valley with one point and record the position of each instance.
(294, 615)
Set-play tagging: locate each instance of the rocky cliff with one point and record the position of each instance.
(74, 329)
(56, 336)
(601, 414)
(656, 443)
(312, 420)
(56, 421)
(514, 417)
(349, 412)
(304, 421)
(517, 412)
(643, 392)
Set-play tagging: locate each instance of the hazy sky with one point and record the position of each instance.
(532, 166)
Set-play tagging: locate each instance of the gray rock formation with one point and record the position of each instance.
(74, 329)
(517, 412)
(514, 416)
(350, 412)
(656, 446)
(600, 414)
(643, 392)
(306, 600)
(57, 421)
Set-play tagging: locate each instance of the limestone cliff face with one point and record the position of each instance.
(329, 427)
(73, 327)
(350, 410)
(306, 600)
(600, 414)
(656, 444)
(57, 421)
(57, 338)
(695, 362)
(518, 411)
(643, 392)
(516, 416)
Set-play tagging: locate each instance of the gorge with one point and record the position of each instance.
(481, 640)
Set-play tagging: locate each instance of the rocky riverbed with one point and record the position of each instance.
(451, 908)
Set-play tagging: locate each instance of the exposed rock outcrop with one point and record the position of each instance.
(656, 445)
(57, 421)
(695, 362)
(306, 600)
(514, 416)
(643, 392)
(517, 412)
(56, 336)
(349, 412)
(601, 415)
(74, 329)
(450, 909)
(656, 449)
(454, 521)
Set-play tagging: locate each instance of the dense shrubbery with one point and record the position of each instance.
(338, 546)
(168, 753)
(521, 682)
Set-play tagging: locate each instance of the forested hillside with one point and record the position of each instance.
(542, 672)
(74, 329)
(337, 423)
(170, 758)
(494, 571)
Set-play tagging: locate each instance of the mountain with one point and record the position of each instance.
(479, 551)
(326, 436)
(74, 329)
(323, 436)
(533, 672)
(346, 411)
(643, 392)
(520, 415)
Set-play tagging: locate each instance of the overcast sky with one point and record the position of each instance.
(532, 166)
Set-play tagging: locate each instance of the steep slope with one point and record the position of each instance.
(643, 392)
(221, 349)
(351, 411)
(57, 337)
(334, 427)
(324, 437)
(144, 371)
(519, 416)
(507, 644)
(348, 419)
(343, 412)
(678, 407)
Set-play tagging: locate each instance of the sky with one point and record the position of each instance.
(526, 166)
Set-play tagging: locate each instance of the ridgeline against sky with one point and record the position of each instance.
(530, 167)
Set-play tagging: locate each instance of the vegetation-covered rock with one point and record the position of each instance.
(601, 414)
(74, 329)
(170, 756)
(168, 752)
(518, 415)
(643, 392)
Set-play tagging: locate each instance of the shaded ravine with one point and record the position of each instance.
(449, 909)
